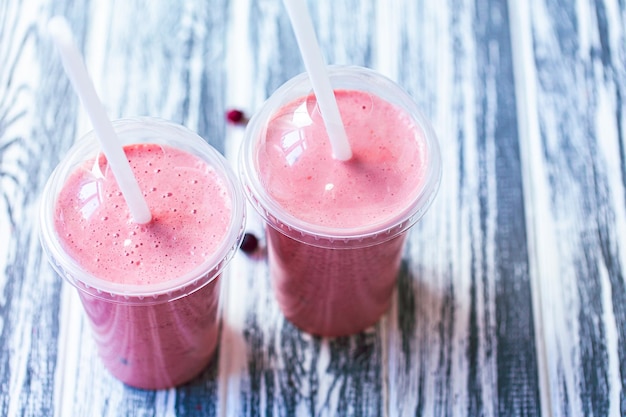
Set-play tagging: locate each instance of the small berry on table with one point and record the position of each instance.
(249, 244)
(236, 117)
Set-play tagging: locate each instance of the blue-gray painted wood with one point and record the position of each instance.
(511, 300)
(573, 71)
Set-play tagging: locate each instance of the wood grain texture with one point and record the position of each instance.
(511, 299)
(35, 118)
(572, 68)
(462, 339)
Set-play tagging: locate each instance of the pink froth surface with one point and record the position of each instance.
(190, 216)
(382, 177)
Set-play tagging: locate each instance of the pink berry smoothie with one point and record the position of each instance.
(336, 229)
(339, 291)
(161, 344)
(151, 291)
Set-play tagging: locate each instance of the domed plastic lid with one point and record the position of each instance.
(300, 190)
(198, 215)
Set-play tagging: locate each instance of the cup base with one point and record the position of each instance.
(157, 346)
(333, 292)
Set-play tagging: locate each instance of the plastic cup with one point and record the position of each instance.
(334, 279)
(161, 333)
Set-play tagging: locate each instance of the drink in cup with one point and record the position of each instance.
(336, 229)
(151, 291)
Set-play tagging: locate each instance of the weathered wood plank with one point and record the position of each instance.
(35, 128)
(572, 66)
(461, 337)
(271, 368)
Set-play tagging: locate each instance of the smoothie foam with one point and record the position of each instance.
(190, 216)
(382, 178)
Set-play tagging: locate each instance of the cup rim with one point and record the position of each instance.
(88, 146)
(323, 236)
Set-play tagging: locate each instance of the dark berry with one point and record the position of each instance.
(236, 117)
(249, 244)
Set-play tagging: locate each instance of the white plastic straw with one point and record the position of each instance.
(318, 74)
(111, 146)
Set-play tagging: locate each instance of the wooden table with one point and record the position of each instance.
(511, 300)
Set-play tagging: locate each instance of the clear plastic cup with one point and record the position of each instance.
(162, 332)
(333, 259)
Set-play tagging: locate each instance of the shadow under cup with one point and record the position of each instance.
(160, 334)
(336, 279)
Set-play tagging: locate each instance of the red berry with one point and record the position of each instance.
(249, 244)
(236, 117)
